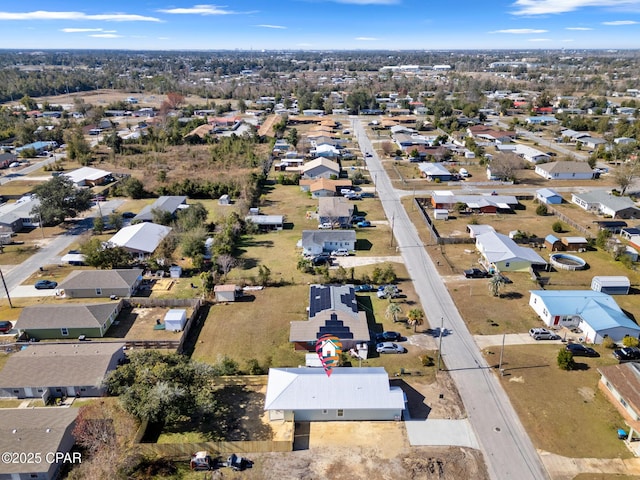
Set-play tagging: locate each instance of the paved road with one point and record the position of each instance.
(506, 446)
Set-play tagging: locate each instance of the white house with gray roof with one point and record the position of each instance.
(565, 171)
(141, 239)
(607, 204)
(530, 154)
(501, 254)
(310, 395)
(17, 215)
(314, 242)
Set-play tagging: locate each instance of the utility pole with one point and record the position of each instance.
(6, 289)
(41, 225)
(392, 222)
(501, 354)
(440, 342)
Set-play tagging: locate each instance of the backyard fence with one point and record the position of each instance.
(574, 224)
(183, 451)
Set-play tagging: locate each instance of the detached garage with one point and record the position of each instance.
(175, 319)
(613, 285)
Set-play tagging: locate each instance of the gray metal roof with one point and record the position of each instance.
(606, 199)
(320, 237)
(165, 203)
(346, 388)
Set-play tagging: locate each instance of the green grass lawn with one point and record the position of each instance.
(563, 412)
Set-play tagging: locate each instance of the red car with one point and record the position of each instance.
(5, 326)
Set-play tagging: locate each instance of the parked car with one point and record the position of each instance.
(365, 288)
(352, 196)
(322, 259)
(325, 226)
(579, 350)
(341, 252)
(364, 224)
(5, 326)
(388, 337)
(476, 273)
(390, 347)
(45, 284)
(627, 354)
(128, 214)
(14, 164)
(368, 154)
(382, 291)
(357, 218)
(543, 334)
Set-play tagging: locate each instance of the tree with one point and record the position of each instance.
(77, 146)
(506, 166)
(393, 310)
(625, 174)
(226, 262)
(59, 200)
(603, 237)
(495, 284)
(133, 188)
(292, 137)
(557, 227)
(98, 225)
(193, 246)
(174, 100)
(542, 210)
(161, 216)
(208, 283)
(389, 292)
(264, 275)
(191, 218)
(565, 359)
(116, 221)
(415, 317)
(105, 256)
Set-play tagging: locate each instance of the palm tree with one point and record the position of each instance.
(393, 310)
(495, 283)
(415, 317)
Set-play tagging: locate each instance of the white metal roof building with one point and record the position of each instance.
(141, 239)
(504, 255)
(309, 394)
(87, 176)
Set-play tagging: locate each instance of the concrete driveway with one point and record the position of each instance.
(357, 261)
(22, 291)
(439, 432)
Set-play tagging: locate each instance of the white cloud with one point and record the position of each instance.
(580, 29)
(620, 22)
(366, 39)
(80, 30)
(105, 35)
(543, 7)
(199, 10)
(539, 39)
(47, 15)
(520, 31)
(280, 27)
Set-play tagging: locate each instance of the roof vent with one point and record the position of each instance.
(14, 431)
(48, 430)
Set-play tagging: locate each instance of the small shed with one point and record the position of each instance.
(613, 285)
(225, 293)
(548, 196)
(575, 244)
(175, 271)
(631, 252)
(175, 319)
(441, 214)
(553, 243)
(224, 200)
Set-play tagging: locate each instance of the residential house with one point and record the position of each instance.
(604, 203)
(479, 229)
(67, 321)
(624, 141)
(141, 239)
(324, 187)
(531, 154)
(548, 196)
(165, 204)
(333, 310)
(36, 430)
(542, 120)
(500, 253)
(565, 171)
(46, 370)
(326, 151)
(266, 222)
(314, 242)
(435, 172)
(477, 203)
(39, 147)
(621, 386)
(335, 210)
(595, 313)
(629, 232)
(101, 283)
(7, 159)
(488, 133)
(17, 216)
(321, 168)
(310, 395)
(89, 177)
(591, 142)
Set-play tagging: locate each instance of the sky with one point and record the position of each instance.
(320, 24)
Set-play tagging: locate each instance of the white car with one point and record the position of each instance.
(14, 164)
(325, 226)
(341, 252)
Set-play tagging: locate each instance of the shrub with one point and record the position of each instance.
(557, 227)
(541, 210)
(426, 360)
(254, 368)
(608, 343)
(630, 342)
(565, 360)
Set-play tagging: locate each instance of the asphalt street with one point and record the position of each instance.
(506, 446)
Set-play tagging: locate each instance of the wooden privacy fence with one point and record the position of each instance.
(183, 451)
(574, 224)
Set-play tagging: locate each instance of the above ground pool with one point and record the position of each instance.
(564, 261)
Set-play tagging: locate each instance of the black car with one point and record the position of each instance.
(627, 354)
(388, 337)
(321, 260)
(365, 288)
(128, 215)
(5, 326)
(476, 273)
(579, 350)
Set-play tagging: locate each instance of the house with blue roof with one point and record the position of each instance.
(548, 196)
(595, 313)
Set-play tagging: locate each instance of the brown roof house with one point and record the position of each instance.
(621, 385)
(335, 210)
(54, 370)
(333, 310)
(101, 283)
(67, 321)
(37, 430)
